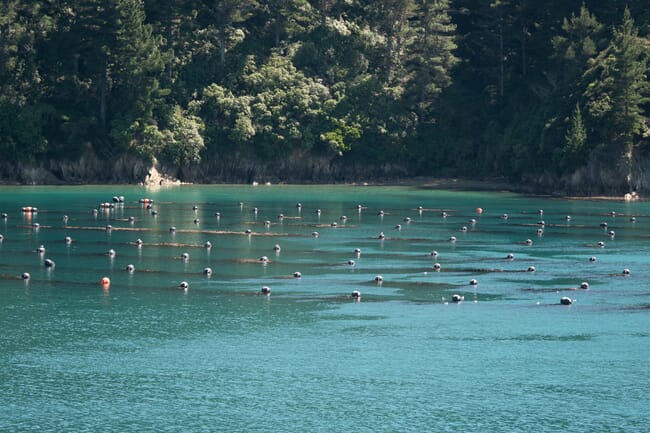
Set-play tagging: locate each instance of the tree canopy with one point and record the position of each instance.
(508, 88)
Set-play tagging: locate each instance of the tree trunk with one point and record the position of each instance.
(222, 46)
(103, 100)
(170, 44)
(524, 31)
(501, 60)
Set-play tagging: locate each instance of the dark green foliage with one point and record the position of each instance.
(435, 87)
(574, 151)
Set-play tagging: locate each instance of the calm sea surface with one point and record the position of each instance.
(144, 355)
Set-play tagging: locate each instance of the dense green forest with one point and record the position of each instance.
(521, 89)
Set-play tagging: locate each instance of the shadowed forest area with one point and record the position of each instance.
(547, 94)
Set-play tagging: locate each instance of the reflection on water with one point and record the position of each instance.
(141, 354)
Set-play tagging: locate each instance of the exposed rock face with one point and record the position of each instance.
(595, 179)
(155, 178)
(591, 180)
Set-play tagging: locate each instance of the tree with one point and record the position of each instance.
(431, 54)
(392, 20)
(580, 41)
(221, 19)
(574, 150)
(619, 89)
(23, 115)
(137, 60)
(287, 17)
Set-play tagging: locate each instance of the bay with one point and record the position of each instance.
(143, 355)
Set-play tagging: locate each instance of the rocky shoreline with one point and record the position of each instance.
(299, 170)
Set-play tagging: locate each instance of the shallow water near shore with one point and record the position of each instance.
(144, 355)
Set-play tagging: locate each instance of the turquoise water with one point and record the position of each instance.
(144, 355)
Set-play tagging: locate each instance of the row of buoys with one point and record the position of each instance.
(355, 294)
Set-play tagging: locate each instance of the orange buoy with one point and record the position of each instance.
(479, 210)
(106, 281)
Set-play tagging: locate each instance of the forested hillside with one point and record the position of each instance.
(549, 93)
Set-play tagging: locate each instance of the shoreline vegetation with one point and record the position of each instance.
(549, 96)
(155, 178)
(129, 170)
